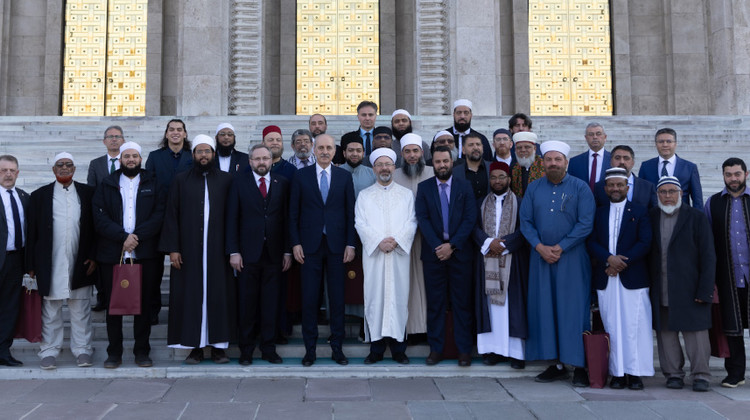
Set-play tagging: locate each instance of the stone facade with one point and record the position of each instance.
(214, 57)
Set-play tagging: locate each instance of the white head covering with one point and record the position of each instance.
(524, 136)
(441, 134)
(204, 139)
(64, 155)
(462, 102)
(616, 173)
(409, 139)
(668, 180)
(382, 151)
(401, 111)
(223, 126)
(130, 145)
(555, 146)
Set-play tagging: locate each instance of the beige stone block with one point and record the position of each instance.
(475, 13)
(480, 90)
(721, 57)
(202, 52)
(649, 24)
(476, 49)
(28, 25)
(688, 37)
(741, 51)
(201, 95)
(648, 85)
(29, 8)
(22, 105)
(690, 104)
(687, 6)
(647, 65)
(639, 8)
(743, 101)
(690, 74)
(204, 13)
(649, 105)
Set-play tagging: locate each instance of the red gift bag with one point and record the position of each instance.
(354, 282)
(596, 346)
(29, 323)
(126, 290)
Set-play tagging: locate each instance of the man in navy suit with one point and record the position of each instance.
(669, 164)
(446, 214)
(228, 158)
(640, 191)
(321, 232)
(258, 244)
(462, 126)
(619, 245)
(590, 165)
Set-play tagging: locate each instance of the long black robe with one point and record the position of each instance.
(183, 232)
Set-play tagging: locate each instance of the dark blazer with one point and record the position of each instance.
(98, 170)
(282, 168)
(633, 242)
(149, 214)
(691, 270)
(579, 165)
(161, 164)
(685, 171)
(487, 150)
(354, 135)
(24, 197)
(459, 172)
(644, 193)
(238, 162)
(308, 213)
(253, 222)
(40, 234)
(462, 212)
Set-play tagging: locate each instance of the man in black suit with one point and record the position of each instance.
(462, 125)
(367, 112)
(60, 249)
(640, 191)
(258, 244)
(228, 158)
(446, 218)
(12, 226)
(321, 231)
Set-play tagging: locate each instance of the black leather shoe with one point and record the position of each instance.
(142, 360)
(246, 359)
(219, 356)
(434, 358)
(464, 360)
(618, 382)
(309, 359)
(675, 383)
(280, 339)
(491, 359)
(731, 382)
(195, 357)
(580, 378)
(10, 361)
(373, 358)
(272, 357)
(700, 385)
(517, 364)
(634, 382)
(338, 357)
(400, 358)
(112, 362)
(552, 374)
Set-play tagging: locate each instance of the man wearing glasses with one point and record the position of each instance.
(102, 166)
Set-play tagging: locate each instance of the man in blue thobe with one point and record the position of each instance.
(557, 214)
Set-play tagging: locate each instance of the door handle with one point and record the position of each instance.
(575, 79)
(565, 79)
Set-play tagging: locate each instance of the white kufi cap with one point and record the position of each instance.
(409, 139)
(223, 126)
(382, 151)
(64, 155)
(555, 146)
(204, 139)
(462, 102)
(130, 145)
(524, 136)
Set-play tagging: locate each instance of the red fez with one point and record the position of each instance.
(494, 166)
(271, 129)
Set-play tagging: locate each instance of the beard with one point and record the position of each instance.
(669, 209)
(415, 169)
(398, 133)
(500, 191)
(204, 168)
(525, 162)
(64, 179)
(444, 175)
(353, 164)
(618, 199)
(302, 155)
(261, 170)
(461, 126)
(224, 151)
(555, 174)
(454, 154)
(475, 157)
(740, 187)
(131, 172)
(385, 178)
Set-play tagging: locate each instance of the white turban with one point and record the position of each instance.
(204, 139)
(524, 136)
(555, 146)
(409, 139)
(382, 151)
(64, 155)
(462, 102)
(130, 145)
(441, 134)
(401, 111)
(223, 126)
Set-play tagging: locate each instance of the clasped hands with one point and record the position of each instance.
(388, 244)
(615, 264)
(550, 253)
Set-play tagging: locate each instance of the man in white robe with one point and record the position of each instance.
(412, 172)
(385, 221)
(619, 243)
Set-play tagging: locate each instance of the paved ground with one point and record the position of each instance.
(357, 398)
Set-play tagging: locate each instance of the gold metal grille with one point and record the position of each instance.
(570, 57)
(105, 58)
(338, 50)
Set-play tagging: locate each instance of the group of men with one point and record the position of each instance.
(500, 246)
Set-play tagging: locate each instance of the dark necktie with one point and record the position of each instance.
(368, 146)
(16, 221)
(444, 208)
(263, 190)
(305, 163)
(664, 169)
(592, 177)
(112, 165)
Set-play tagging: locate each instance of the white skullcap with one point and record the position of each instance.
(130, 145)
(555, 146)
(668, 180)
(204, 139)
(462, 102)
(223, 126)
(382, 151)
(409, 139)
(64, 155)
(616, 173)
(524, 136)
(441, 134)
(401, 111)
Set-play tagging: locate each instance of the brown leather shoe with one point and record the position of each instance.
(434, 358)
(464, 360)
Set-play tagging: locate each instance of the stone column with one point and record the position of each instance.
(432, 49)
(246, 73)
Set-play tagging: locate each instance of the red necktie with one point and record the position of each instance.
(592, 178)
(263, 190)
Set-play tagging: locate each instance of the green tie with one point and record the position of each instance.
(112, 166)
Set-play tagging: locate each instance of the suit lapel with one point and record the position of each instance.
(681, 221)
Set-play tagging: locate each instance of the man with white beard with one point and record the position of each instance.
(443, 138)
(529, 166)
(302, 146)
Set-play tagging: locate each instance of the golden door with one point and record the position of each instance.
(338, 63)
(570, 65)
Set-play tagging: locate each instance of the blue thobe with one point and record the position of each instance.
(559, 293)
(362, 175)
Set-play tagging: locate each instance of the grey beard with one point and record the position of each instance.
(415, 169)
(454, 154)
(302, 155)
(525, 162)
(669, 209)
(385, 177)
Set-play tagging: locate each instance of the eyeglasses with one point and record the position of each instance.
(225, 134)
(261, 159)
(113, 137)
(499, 178)
(64, 164)
(8, 171)
(669, 192)
(203, 152)
(383, 165)
(665, 141)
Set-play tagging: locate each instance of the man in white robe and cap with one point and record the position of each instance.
(385, 221)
